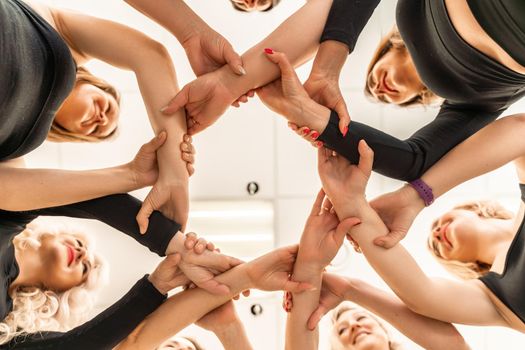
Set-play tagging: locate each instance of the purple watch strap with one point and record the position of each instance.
(424, 191)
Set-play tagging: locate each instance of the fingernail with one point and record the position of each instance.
(380, 243)
(163, 109)
(306, 131)
(268, 51)
(241, 70)
(319, 144)
(345, 131)
(314, 135)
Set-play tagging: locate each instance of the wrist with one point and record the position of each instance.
(330, 59)
(306, 270)
(356, 206)
(419, 193)
(176, 244)
(312, 114)
(161, 287)
(225, 330)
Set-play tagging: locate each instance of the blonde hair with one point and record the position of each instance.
(472, 270)
(36, 309)
(336, 312)
(390, 41)
(59, 134)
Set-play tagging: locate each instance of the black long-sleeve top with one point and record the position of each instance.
(476, 88)
(111, 326)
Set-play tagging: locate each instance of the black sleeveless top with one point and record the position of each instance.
(509, 287)
(37, 74)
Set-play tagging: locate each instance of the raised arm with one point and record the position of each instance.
(129, 49)
(442, 299)
(298, 36)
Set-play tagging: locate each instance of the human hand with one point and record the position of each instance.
(169, 196)
(398, 211)
(208, 51)
(271, 271)
(201, 262)
(188, 153)
(323, 234)
(219, 318)
(307, 134)
(167, 275)
(144, 166)
(333, 292)
(205, 100)
(287, 96)
(345, 183)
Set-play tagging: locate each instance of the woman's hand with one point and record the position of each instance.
(333, 292)
(271, 271)
(287, 96)
(188, 153)
(323, 234)
(398, 211)
(144, 165)
(208, 51)
(343, 182)
(205, 100)
(167, 275)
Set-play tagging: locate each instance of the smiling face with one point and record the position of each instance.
(177, 343)
(89, 111)
(61, 261)
(253, 5)
(356, 329)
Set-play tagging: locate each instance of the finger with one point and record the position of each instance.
(366, 157)
(304, 131)
(313, 135)
(188, 158)
(236, 104)
(187, 138)
(251, 93)
(237, 297)
(143, 215)
(234, 60)
(210, 246)
(318, 144)
(190, 241)
(154, 144)
(327, 204)
(243, 99)
(344, 227)
(171, 260)
(344, 117)
(390, 240)
(187, 147)
(287, 71)
(200, 247)
(191, 169)
(316, 208)
(246, 293)
(179, 101)
(293, 126)
(316, 316)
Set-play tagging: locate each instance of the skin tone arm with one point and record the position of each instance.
(269, 272)
(322, 237)
(452, 301)
(399, 209)
(298, 36)
(47, 185)
(225, 323)
(206, 49)
(427, 332)
(91, 37)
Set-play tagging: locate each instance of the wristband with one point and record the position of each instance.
(424, 191)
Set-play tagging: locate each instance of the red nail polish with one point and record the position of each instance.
(345, 131)
(268, 51)
(315, 135)
(319, 144)
(306, 131)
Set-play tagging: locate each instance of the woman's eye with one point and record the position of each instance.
(80, 244)
(341, 331)
(84, 268)
(361, 318)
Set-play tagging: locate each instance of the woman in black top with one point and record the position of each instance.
(494, 299)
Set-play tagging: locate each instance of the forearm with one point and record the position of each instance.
(442, 299)
(298, 336)
(493, 146)
(234, 337)
(174, 15)
(330, 59)
(26, 189)
(298, 37)
(181, 310)
(427, 332)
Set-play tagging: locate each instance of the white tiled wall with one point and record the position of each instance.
(253, 144)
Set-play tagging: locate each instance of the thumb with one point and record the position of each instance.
(366, 157)
(344, 227)
(171, 261)
(316, 316)
(154, 144)
(234, 60)
(178, 102)
(390, 240)
(279, 58)
(344, 117)
(145, 212)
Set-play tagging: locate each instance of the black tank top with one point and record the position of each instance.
(37, 73)
(504, 22)
(509, 287)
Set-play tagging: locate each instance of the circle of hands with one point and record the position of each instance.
(204, 101)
